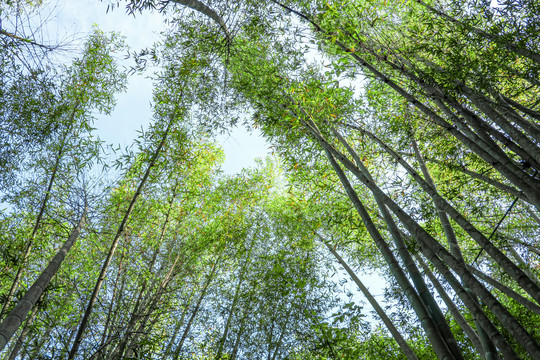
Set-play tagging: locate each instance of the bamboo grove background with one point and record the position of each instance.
(405, 140)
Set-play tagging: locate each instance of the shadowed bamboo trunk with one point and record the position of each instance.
(104, 337)
(22, 337)
(151, 306)
(462, 322)
(119, 350)
(463, 169)
(432, 320)
(496, 38)
(526, 267)
(119, 353)
(239, 336)
(14, 320)
(409, 353)
(223, 338)
(483, 146)
(512, 269)
(475, 309)
(283, 330)
(505, 290)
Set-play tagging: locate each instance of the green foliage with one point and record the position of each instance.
(215, 266)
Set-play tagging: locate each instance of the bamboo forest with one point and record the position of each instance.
(396, 215)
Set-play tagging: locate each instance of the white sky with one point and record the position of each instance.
(133, 108)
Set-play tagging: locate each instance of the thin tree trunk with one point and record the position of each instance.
(476, 310)
(429, 244)
(152, 306)
(109, 313)
(521, 144)
(453, 244)
(223, 338)
(160, 289)
(239, 336)
(15, 283)
(462, 322)
(484, 130)
(196, 310)
(526, 267)
(270, 339)
(461, 168)
(522, 108)
(98, 354)
(484, 139)
(120, 348)
(529, 247)
(179, 324)
(508, 111)
(483, 135)
(14, 320)
(488, 150)
(113, 336)
(532, 214)
(530, 152)
(282, 334)
(505, 290)
(114, 245)
(136, 317)
(27, 41)
(65, 347)
(409, 353)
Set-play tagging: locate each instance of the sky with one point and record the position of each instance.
(133, 110)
